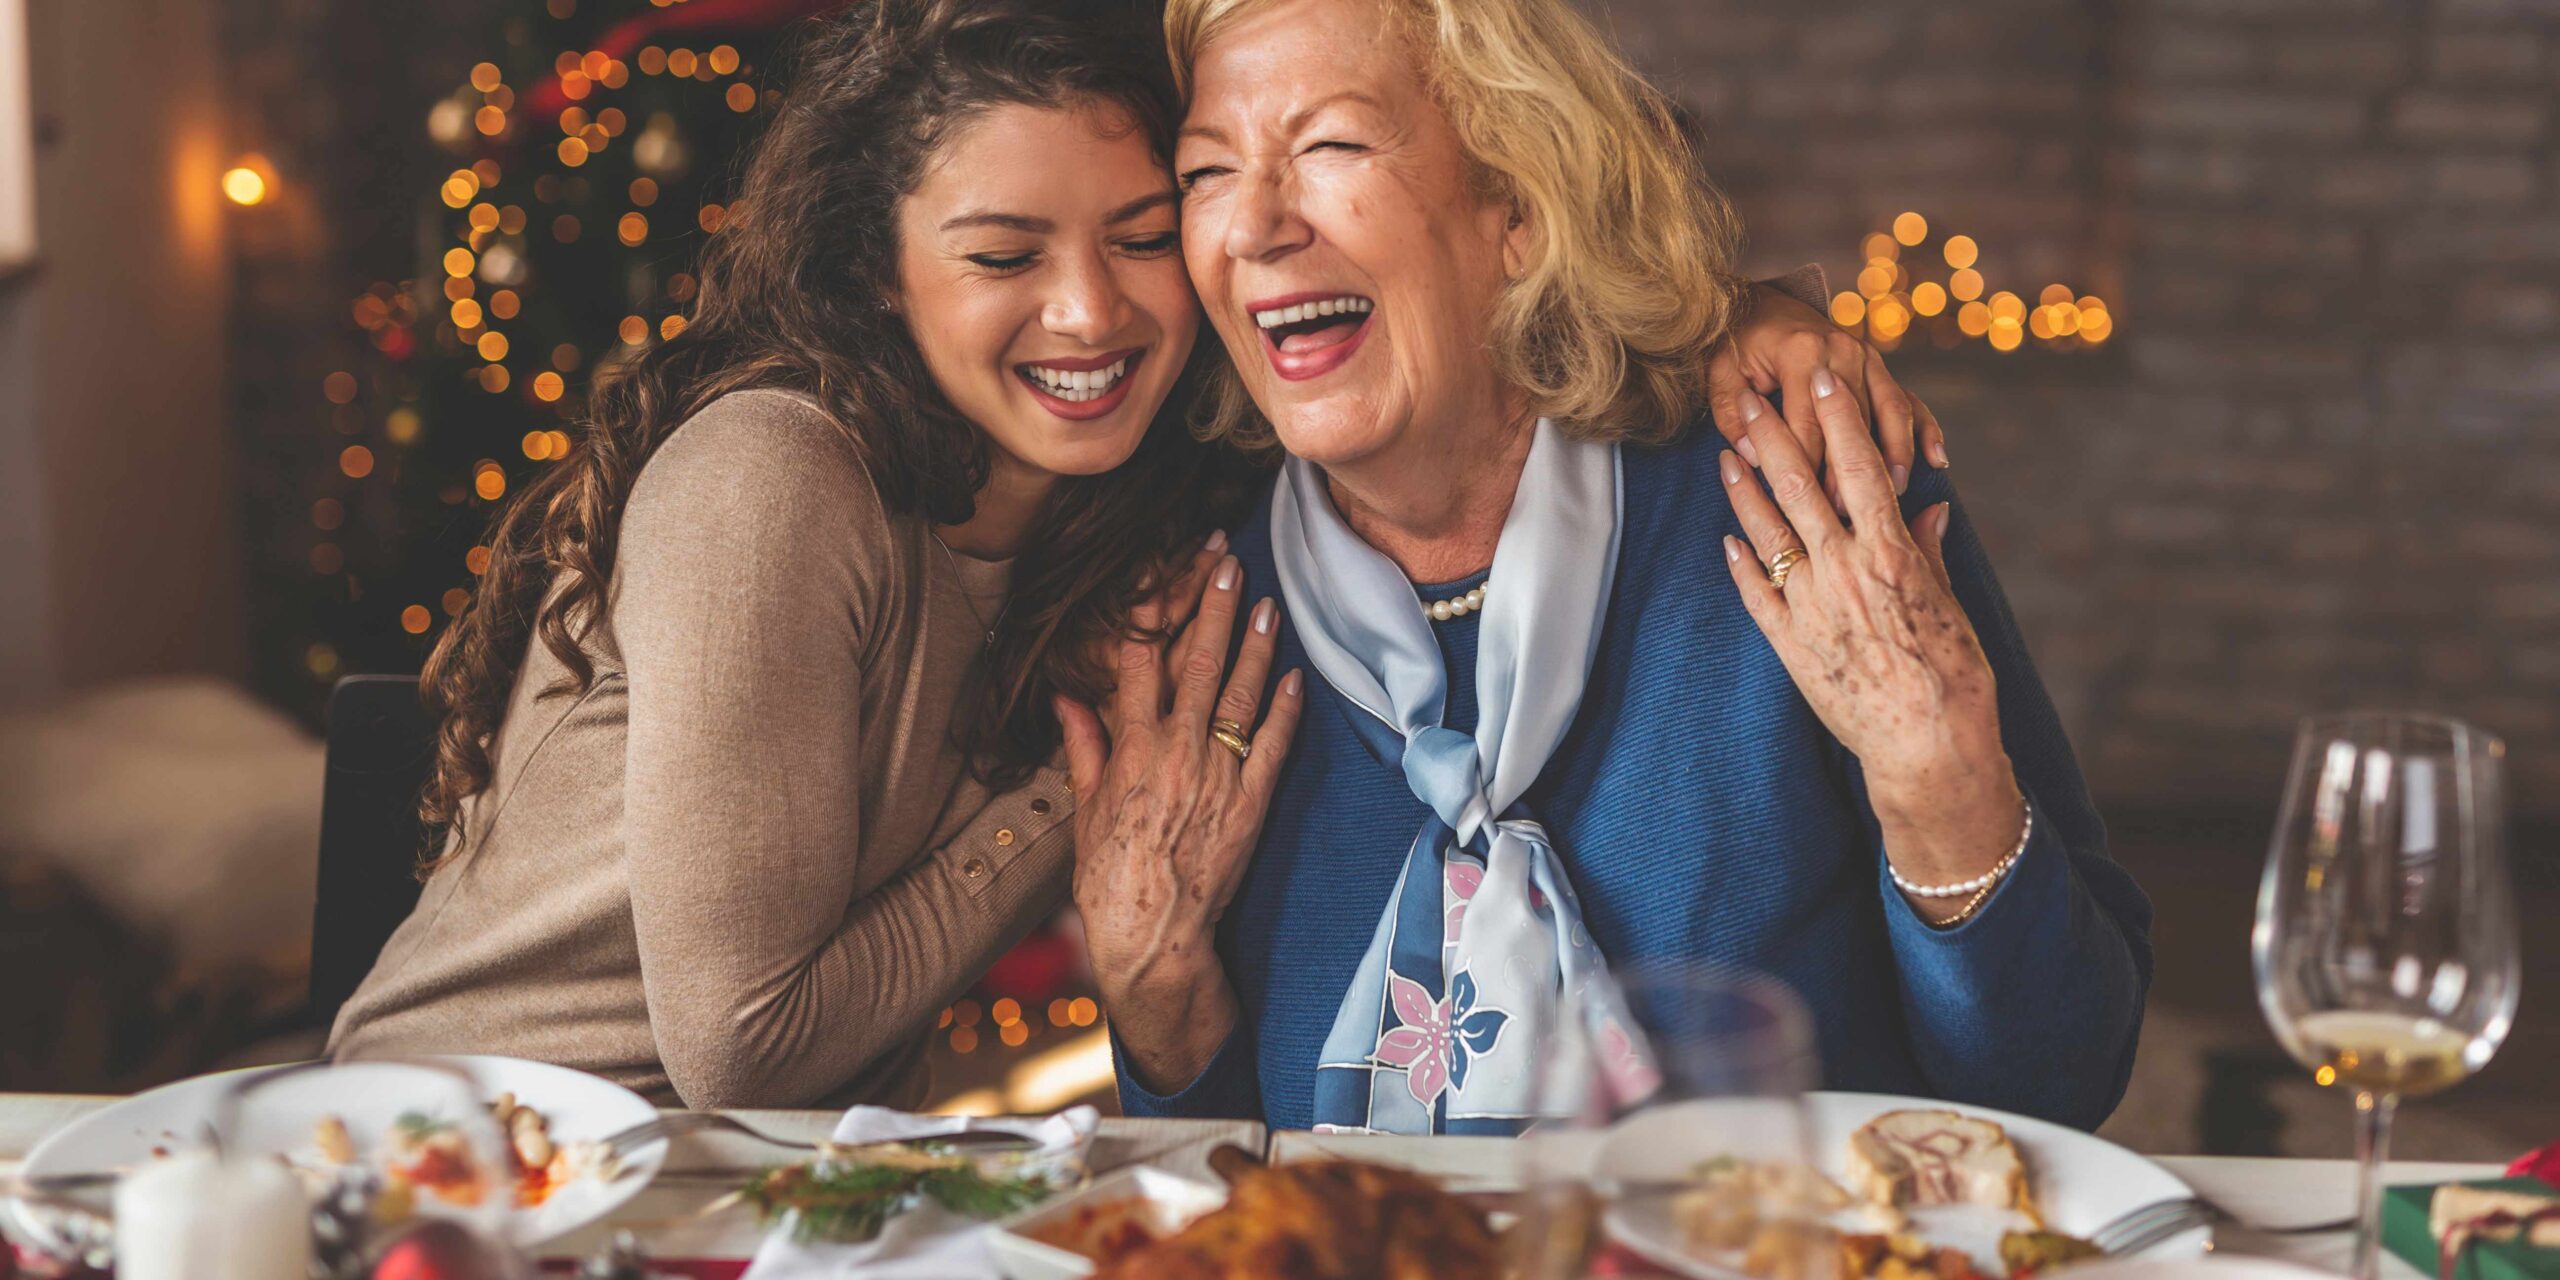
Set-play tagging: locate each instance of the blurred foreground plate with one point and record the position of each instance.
(578, 1105)
(2080, 1182)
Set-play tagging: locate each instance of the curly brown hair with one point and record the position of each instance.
(792, 295)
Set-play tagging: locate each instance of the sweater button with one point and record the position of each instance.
(1039, 807)
(974, 868)
(1004, 835)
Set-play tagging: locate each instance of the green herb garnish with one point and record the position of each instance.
(418, 1126)
(849, 1203)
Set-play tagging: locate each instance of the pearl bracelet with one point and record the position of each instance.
(1977, 884)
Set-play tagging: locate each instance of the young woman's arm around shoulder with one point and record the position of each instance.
(754, 555)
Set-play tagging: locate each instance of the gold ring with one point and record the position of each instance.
(1229, 734)
(1784, 563)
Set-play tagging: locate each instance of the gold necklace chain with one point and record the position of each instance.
(960, 584)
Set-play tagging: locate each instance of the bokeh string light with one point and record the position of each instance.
(246, 182)
(1893, 304)
(474, 373)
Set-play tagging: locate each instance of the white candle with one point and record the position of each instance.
(193, 1217)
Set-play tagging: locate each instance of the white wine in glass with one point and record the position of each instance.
(2385, 944)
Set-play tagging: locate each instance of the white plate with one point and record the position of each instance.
(1172, 1203)
(579, 1106)
(2080, 1182)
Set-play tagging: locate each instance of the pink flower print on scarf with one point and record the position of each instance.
(1463, 878)
(1438, 1038)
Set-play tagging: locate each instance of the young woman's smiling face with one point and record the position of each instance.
(1040, 272)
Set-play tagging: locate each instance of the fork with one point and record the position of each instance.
(622, 1145)
(2142, 1228)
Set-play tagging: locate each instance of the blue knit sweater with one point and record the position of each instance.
(1705, 814)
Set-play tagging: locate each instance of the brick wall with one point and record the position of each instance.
(2319, 465)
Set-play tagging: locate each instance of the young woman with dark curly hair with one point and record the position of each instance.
(703, 769)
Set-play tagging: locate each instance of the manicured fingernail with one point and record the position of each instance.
(1750, 452)
(1264, 614)
(1732, 470)
(1732, 550)
(1823, 384)
(1750, 409)
(1290, 683)
(1217, 540)
(1901, 477)
(1227, 574)
(1946, 513)
(1938, 453)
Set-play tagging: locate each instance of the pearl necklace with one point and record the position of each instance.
(1455, 606)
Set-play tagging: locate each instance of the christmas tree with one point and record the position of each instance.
(592, 153)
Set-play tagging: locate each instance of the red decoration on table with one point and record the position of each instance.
(440, 1250)
(20, 1262)
(2543, 1164)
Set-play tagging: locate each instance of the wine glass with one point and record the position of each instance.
(2385, 943)
(1676, 1127)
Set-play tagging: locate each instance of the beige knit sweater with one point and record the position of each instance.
(746, 866)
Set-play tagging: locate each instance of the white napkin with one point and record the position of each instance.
(927, 1242)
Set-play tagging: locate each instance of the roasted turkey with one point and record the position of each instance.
(1324, 1220)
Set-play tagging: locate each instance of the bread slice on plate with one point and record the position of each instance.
(1926, 1158)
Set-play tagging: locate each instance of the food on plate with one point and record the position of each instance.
(1927, 1157)
(2026, 1253)
(1780, 1221)
(1104, 1232)
(432, 1156)
(544, 1164)
(1772, 1181)
(1902, 1256)
(849, 1201)
(337, 1146)
(1324, 1220)
(421, 1153)
(1731, 1199)
(1794, 1251)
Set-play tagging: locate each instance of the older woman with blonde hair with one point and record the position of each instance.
(1584, 692)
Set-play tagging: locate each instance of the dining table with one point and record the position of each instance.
(673, 1218)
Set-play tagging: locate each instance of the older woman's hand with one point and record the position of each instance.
(1166, 817)
(1160, 619)
(1867, 623)
(1780, 343)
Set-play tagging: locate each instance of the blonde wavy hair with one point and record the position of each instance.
(1629, 280)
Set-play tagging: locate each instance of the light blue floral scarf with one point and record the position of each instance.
(1482, 938)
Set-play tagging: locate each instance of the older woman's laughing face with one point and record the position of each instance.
(1338, 244)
